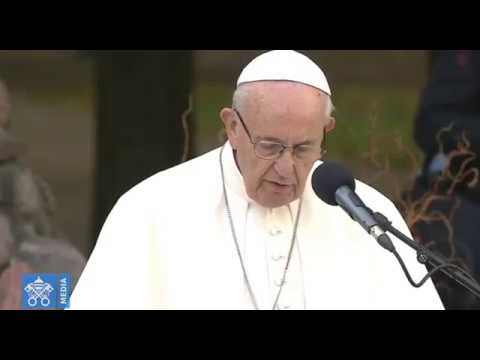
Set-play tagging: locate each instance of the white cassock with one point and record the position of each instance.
(167, 244)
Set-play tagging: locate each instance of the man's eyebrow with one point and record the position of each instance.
(277, 140)
(271, 138)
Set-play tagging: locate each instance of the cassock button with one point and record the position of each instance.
(275, 231)
(278, 257)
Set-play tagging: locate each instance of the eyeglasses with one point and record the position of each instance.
(271, 150)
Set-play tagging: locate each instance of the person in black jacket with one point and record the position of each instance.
(447, 130)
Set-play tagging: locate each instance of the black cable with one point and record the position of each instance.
(426, 277)
(425, 256)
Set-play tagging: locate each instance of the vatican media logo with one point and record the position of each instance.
(46, 291)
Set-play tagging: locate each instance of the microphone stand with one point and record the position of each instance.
(425, 256)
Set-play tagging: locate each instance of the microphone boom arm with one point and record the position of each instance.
(425, 256)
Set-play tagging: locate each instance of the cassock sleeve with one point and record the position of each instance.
(118, 273)
(401, 294)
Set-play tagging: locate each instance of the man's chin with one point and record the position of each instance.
(275, 201)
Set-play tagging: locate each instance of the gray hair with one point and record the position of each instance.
(240, 99)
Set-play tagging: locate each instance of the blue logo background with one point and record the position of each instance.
(46, 291)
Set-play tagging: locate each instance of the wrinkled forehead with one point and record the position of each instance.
(286, 111)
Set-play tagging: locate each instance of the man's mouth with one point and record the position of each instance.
(280, 185)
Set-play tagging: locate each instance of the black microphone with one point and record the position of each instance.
(335, 185)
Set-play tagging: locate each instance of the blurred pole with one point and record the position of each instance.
(141, 96)
(431, 56)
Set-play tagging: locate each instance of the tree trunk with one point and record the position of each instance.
(141, 96)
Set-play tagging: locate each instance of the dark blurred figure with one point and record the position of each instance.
(29, 239)
(447, 129)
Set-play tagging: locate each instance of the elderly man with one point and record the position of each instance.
(241, 228)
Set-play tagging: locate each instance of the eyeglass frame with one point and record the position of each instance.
(323, 151)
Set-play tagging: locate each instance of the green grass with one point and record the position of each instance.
(209, 99)
(374, 116)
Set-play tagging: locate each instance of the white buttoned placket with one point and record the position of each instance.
(268, 239)
(265, 245)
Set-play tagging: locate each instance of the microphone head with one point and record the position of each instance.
(327, 178)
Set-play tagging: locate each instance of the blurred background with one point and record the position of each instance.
(58, 99)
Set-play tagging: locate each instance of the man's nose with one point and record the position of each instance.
(285, 164)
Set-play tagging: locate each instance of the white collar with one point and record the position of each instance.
(233, 177)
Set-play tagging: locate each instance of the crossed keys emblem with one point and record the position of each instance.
(38, 290)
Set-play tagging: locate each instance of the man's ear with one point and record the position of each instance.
(331, 125)
(230, 124)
